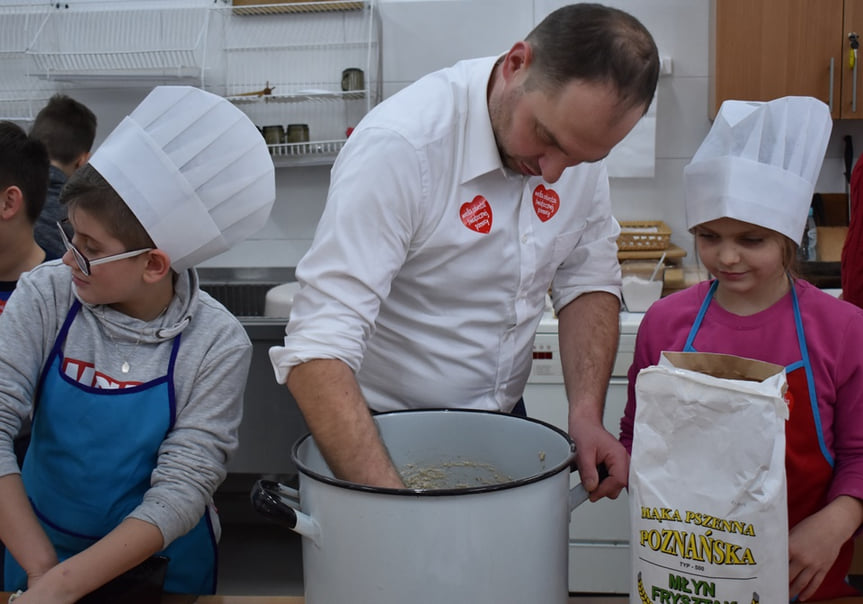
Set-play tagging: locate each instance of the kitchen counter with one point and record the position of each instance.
(4, 597)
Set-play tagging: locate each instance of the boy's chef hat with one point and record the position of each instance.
(759, 164)
(194, 170)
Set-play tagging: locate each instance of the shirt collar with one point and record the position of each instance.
(480, 155)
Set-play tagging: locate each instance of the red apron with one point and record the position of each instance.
(809, 475)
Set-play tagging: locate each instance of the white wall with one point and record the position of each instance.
(422, 35)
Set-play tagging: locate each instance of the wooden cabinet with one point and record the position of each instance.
(764, 49)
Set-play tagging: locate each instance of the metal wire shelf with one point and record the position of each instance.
(178, 61)
(305, 153)
(20, 22)
(104, 39)
(21, 97)
(22, 110)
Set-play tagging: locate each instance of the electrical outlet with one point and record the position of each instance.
(664, 65)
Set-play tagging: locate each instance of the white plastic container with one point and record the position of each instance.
(639, 291)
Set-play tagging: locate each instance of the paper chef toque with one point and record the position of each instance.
(759, 164)
(194, 170)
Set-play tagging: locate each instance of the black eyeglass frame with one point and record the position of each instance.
(85, 263)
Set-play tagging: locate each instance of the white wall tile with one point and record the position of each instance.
(422, 36)
(679, 27)
(302, 193)
(682, 121)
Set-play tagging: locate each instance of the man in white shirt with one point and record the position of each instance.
(453, 208)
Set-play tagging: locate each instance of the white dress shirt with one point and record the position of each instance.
(429, 267)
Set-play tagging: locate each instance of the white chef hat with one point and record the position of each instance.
(194, 170)
(759, 163)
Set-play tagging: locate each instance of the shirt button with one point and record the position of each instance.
(524, 238)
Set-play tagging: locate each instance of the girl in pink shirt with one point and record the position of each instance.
(748, 191)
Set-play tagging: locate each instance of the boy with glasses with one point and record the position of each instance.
(134, 376)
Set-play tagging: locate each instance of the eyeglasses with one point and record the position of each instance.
(85, 263)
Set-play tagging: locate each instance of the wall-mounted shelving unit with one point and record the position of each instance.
(283, 63)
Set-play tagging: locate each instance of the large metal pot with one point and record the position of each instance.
(488, 543)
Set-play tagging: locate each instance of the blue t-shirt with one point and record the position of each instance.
(7, 287)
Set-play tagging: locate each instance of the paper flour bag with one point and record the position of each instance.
(707, 487)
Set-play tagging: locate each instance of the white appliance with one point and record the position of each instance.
(598, 532)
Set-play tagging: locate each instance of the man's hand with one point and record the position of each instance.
(594, 445)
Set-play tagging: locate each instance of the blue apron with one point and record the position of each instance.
(808, 468)
(91, 454)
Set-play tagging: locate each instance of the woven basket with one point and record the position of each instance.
(643, 235)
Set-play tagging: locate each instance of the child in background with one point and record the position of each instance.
(748, 191)
(134, 376)
(67, 128)
(23, 186)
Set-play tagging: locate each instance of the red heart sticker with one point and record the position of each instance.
(476, 214)
(545, 202)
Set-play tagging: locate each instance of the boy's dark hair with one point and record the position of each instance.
(66, 127)
(597, 44)
(88, 190)
(24, 164)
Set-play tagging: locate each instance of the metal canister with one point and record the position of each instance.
(274, 135)
(298, 133)
(353, 79)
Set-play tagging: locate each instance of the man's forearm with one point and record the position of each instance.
(589, 331)
(337, 415)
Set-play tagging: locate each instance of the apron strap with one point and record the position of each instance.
(55, 350)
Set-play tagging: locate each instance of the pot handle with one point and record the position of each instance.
(284, 491)
(269, 499)
(578, 494)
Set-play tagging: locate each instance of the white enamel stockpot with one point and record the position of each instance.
(503, 543)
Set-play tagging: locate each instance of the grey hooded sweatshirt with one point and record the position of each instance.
(209, 379)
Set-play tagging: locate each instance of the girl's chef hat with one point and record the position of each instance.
(194, 170)
(759, 164)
